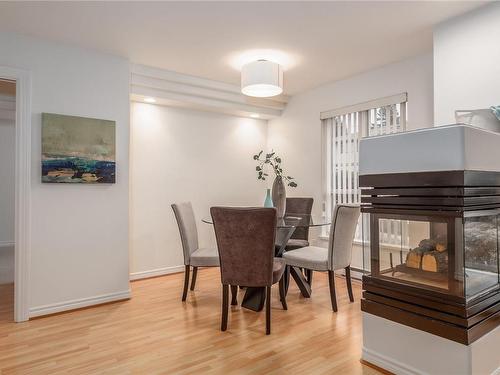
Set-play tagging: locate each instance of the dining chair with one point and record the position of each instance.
(300, 236)
(337, 256)
(245, 239)
(302, 206)
(194, 256)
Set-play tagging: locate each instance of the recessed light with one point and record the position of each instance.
(149, 100)
(254, 115)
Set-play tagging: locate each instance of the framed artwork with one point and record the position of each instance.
(78, 150)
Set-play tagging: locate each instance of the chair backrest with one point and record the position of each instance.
(299, 206)
(187, 228)
(342, 231)
(245, 239)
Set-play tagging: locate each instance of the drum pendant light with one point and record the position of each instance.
(262, 79)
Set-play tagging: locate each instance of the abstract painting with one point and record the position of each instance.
(77, 149)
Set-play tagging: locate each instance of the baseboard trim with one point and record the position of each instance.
(7, 243)
(154, 273)
(379, 369)
(78, 304)
(387, 364)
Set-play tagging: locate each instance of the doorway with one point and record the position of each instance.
(7, 197)
(22, 191)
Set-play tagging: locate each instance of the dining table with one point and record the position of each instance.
(255, 297)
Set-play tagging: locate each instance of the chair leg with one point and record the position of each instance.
(348, 282)
(193, 280)
(309, 276)
(186, 283)
(281, 286)
(268, 310)
(225, 306)
(331, 282)
(234, 295)
(286, 276)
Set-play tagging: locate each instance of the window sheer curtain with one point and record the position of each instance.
(342, 130)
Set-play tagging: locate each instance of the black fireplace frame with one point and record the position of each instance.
(445, 195)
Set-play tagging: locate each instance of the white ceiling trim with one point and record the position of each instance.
(176, 89)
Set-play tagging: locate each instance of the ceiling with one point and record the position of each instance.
(317, 42)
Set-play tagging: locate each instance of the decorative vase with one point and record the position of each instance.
(279, 196)
(268, 202)
(496, 111)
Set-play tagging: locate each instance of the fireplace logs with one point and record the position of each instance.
(429, 256)
(435, 261)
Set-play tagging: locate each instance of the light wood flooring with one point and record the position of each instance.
(155, 333)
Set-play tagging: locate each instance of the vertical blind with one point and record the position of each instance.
(342, 129)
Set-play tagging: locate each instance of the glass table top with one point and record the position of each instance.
(292, 220)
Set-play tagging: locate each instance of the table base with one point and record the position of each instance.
(255, 297)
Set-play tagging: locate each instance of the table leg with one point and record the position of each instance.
(254, 298)
(282, 237)
(302, 283)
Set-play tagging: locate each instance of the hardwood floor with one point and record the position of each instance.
(155, 333)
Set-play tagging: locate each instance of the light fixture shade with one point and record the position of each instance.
(262, 78)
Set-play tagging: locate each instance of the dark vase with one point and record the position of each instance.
(279, 196)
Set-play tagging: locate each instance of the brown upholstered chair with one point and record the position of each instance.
(302, 206)
(194, 256)
(245, 239)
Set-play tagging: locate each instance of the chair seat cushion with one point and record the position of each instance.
(293, 244)
(204, 257)
(278, 269)
(310, 257)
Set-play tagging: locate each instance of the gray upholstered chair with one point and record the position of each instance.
(301, 206)
(300, 236)
(193, 255)
(245, 238)
(338, 254)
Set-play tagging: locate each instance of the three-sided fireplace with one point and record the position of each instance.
(434, 245)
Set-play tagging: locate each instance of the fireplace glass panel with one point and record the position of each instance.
(419, 253)
(481, 254)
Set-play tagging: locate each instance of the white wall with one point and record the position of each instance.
(467, 63)
(296, 135)
(79, 239)
(7, 196)
(184, 155)
(7, 180)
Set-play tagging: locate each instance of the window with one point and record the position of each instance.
(342, 129)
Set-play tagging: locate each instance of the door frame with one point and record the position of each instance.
(22, 236)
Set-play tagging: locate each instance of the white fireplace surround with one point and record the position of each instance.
(442, 148)
(404, 350)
